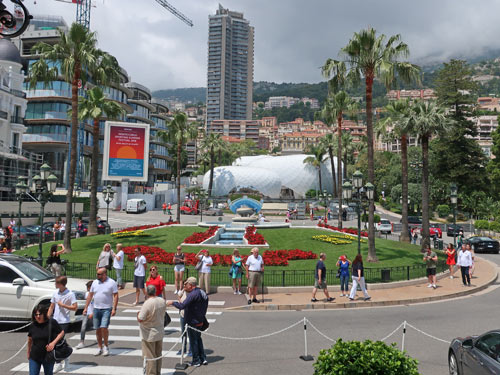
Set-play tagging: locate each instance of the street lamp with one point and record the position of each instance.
(108, 195)
(369, 190)
(453, 198)
(21, 190)
(76, 193)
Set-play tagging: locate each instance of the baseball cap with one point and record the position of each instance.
(191, 280)
(343, 257)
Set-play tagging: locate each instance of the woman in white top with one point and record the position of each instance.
(104, 260)
(471, 268)
(204, 274)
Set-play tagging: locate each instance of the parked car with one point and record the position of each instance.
(454, 229)
(212, 211)
(475, 355)
(414, 220)
(83, 233)
(435, 231)
(102, 226)
(24, 284)
(136, 206)
(384, 226)
(47, 233)
(481, 244)
(26, 234)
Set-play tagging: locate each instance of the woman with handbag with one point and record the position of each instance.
(43, 335)
(105, 260)
(343, 264)
(54, 259)
(236, 270)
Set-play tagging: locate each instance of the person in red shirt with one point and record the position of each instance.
(164, 208)
(157, 280)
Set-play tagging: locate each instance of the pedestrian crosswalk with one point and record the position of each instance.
(125, 346)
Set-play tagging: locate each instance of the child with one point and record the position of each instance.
(87, 319)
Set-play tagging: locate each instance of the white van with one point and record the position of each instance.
(136, 205)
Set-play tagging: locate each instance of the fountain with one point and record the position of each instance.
(246, 208)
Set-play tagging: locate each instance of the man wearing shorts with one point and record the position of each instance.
(430, 258)
(104, 291)
(320, 279)
(255, 268)
(139, 274)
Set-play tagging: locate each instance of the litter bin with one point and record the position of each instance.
(385, 275)
(440, 244)
(435, 241)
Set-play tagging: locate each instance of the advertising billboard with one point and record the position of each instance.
(126, 150)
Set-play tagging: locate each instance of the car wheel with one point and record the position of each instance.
(453, 364)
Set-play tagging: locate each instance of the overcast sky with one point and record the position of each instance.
(293, 38)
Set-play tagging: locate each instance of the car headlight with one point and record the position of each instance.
(79, 295)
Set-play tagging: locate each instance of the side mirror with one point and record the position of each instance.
(467, 343)
(19, 282)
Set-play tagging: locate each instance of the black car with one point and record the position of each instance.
(475, 355)
(483, 244)
(413, 220)
(454, 229)
(103, 226)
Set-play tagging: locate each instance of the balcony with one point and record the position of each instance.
(16, 120)
(60, 138)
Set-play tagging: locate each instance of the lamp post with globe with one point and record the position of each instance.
(108, 195)
(21, 190)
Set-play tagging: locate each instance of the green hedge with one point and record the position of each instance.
(482, 224)
(443, 210)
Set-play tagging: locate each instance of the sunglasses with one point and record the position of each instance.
(38, 314)
(100, 274)
(153, 269)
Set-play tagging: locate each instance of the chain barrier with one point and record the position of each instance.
(15, 355)
(17, 329)
(392, 333)
(321, 333)
(168, 351)
(427, 334)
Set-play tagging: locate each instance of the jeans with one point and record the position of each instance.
(183, 327)
(86, 322)
(465, 275)
(196, 346)
(355, 286)
(34, 366)
(118, 276)
(344, 283)
(101, 318)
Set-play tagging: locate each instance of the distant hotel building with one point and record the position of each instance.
(237, 129)
(288, 101)
(423, 94)
(230, 67)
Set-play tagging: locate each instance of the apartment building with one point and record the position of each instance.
(423, 94)
(240, 129)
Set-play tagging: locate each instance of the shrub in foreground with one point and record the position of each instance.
(364, 358)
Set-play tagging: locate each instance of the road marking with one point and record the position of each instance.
(131, 318)
(97, 370)
(136, 327)
(126, 338)
(216, 303)
(124, 352)
(172, 312)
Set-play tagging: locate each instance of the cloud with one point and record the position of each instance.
(293, 38)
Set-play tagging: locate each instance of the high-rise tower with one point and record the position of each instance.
(230, 67)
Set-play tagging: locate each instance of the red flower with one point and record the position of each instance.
(254, 238)
(344, 230)
(142, 227)
(198, 237)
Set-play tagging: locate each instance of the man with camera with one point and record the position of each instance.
(430, 258)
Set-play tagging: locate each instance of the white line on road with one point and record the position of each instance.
(134, 319)
(124, 352)
(136, 328)
(172, 312)
(97, 370)
(127, 338)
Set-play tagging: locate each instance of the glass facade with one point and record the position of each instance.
(47, 110)
(139, 110)
(55, 88)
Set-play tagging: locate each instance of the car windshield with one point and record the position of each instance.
(385, 222)
(32, 270)
(484, 239)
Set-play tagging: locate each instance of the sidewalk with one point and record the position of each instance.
(485, 274)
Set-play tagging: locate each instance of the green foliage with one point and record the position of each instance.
(494, 226)
(443, 210)
(312, 193)
(193, 94)
(364, 218)
(482, 224)
(284, 114)
(364, 358)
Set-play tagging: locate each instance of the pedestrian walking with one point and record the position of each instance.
(358, 277)
(157, 281)
(320, 279)
(62, 227)
(472, 255)
(255, 268)
(164, 208)
(140, 264)
(105, 258)
(195, 310)
(86, 318)
(43, 335)
(79, 229)
(236, 271)
(182, 295)
(430, 259)
(7, 233)
(169, 208)
(54, 259)
(179, 268)
(151, 319)
(204, 273)
(343, 264)
(104, 292)
(63, 301)
(415, 236)
(460, 239)
(450, 261)
(55, 230)
(465, 262)
(118, 264)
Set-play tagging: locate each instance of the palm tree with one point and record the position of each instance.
(96, 106)
(212, 144)
(367, 57)
(348, 149)
(179, 133)
(397, 125)
(75, 58)
(425, 120)
(318, 153)
(329, 143)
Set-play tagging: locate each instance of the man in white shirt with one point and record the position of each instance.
(118, 264)
(61, 304)
(255, 268)
(104, 291)
(139, 274)
(151, 319)
(464, 260)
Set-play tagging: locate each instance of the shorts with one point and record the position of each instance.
(101, 318)
(320, 285)
(139, 282)
(254, 279)
(179, 268)
(431, 271)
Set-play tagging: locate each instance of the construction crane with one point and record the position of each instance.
(83, 11)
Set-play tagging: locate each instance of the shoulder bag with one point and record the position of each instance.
(167, 319)
(198, 265)
(205, 324)
(61, 350)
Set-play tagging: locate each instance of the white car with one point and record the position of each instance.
(384, 226)
(24, 285)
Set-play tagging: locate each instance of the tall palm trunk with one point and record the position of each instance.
(345, 163)
(404, 189)
(212, 162)
(425, 191)
(179, 151)
(332, 165)
(319, 178)
(93, 180)
(372, 256)
(72, 164)
(339, 168)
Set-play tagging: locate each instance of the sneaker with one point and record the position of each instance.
(368, 298)
(249, 301)
(451, 277)
(314, 300)
(205, 362)
(239, 293)
(105, 351)
(352, 299)
(81, 345)
(434, 286)
(58, 367)
(189, 354)
(235, 292)
(342, 295)
(195, 364)
(134, 304)
(255, 300)
(178, 353)
(330, 299)
(99, 352)
(429, 286)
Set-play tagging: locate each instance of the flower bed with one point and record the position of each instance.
(199, 237)
(352, 231)
(148, 226)
(271, 257)
(131, 233)
(336, 239)
(254, 238)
